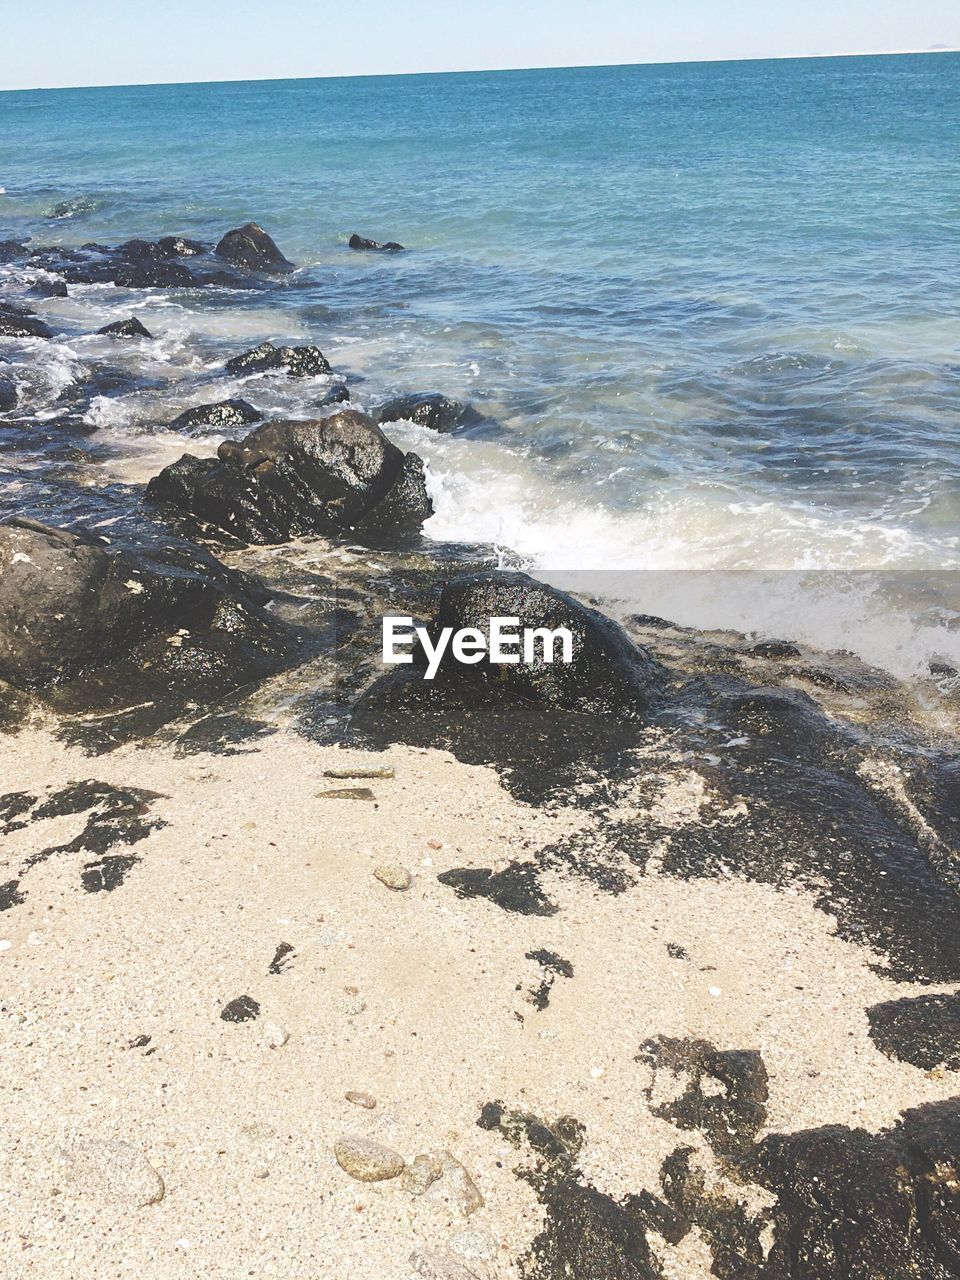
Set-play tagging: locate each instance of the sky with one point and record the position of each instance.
(56, 43)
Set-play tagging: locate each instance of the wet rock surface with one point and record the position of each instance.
(222, 414)
(16, 322)
(288, 479)
(921, 1030)
(298, 362)
(430, 409)
(132, 328)
(361, 242)
(249, 246)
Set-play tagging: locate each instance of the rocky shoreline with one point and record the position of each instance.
(208, 645)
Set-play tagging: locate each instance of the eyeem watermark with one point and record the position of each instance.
(504, 642)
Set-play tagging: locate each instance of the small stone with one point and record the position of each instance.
(457, 1187)
(347, 793)
(715, 991)
(439, 1266)
(420, 1176)
(243, 1009)
(5, 944)
(384, 771)
(367, 1161)
(394, 877)
(275, 1036)
(360, 1099)
(475, 1246)
(112, 1170)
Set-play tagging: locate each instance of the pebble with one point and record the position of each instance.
(360, 1099)
(347, 793)
(275, 1036)
(351, 1003)
(715, 991)
(5, 945)
(419, 1176)
(439, 1266)
(367, 1161)
(393, 877)
(112, 1170)
(458, 1187)
(370, 771)
(475, 1246)
(243, 1009)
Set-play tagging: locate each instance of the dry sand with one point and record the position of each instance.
(411, 996)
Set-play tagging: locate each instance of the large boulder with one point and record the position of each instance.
(361, 242)
(288, 479)
(222, 414)
(249, 246)
(70, 605)
(430, 409)
(609, 674)
(299, 362)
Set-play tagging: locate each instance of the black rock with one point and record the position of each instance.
(152, 275)
(430, 409)
(288, 479)
(49, 289)
(69, 605)
(16, 323)
(131, 328)
(12, 250)
(299, 362)
(225, 413)
(339, 393)
(360, 242)
(924, 1030)
(8, 395)
(179, 247)
(243, 1009)
(609, 675)
(249, 246)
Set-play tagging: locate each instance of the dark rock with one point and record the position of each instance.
(283, 957)
(49, 289)
(8, 395)
(360, 242)
(299, 362)
(609, 675)
(731, 1116)
(775, 649)
(225, 413)
(859, 1206)
(152, 275)
(516, 888)
(105, 380)
(339, 393)
(432, 410)
(243, 1009)
(178, 247)
(924, 1031)
(288, 479)
(68, 605)
(12, 250)
(16, 323)
(249, 246)
(131, 328)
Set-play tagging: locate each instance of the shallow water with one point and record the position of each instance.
(711, 309)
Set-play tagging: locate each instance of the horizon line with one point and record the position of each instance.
(479, 71)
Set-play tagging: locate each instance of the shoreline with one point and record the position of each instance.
(679, 941)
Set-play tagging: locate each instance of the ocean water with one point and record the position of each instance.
(712, 310)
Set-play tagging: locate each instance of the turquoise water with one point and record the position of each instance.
(713, 308)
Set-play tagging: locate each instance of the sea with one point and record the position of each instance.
(710, 311)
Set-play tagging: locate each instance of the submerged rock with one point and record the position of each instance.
(431, 409)
(249, 246)
(361, 242)
(69, 605)
(224, 413)
(288, 479)
(49, 289)
(179, 247)
(299, 362)
(18, 323)
(8, 395)
(131, 328)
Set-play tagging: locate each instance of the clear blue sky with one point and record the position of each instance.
(48, 43)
